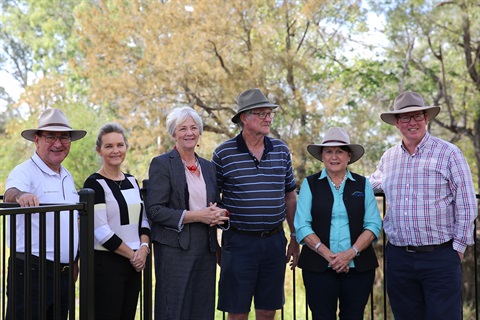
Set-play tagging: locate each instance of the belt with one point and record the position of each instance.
(64, 267)
(428, 248)
(260, 234)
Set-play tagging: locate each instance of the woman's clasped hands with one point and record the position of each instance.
(213, 215)
(340, 261)
(139, 259)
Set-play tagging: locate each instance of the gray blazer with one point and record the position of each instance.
(167, 198)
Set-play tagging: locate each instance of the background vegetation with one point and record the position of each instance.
(326, 63)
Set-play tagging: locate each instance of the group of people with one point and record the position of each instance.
(248, 190)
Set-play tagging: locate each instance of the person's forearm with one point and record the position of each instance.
(125, 251)
(144, 239)
(291, 205)
(12, 194)
(316, 244)
(364, 240)
(24, 199)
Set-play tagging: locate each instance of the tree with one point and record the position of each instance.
(38, 45)
(436, 46)
(143, 58)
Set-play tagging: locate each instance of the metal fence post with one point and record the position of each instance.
(147, 273)
(86, 255)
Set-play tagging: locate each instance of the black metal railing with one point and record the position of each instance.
(84, 303)
(85, 217)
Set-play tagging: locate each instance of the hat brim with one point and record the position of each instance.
(316, 150)
(236, 118)
(389, 117)
(75, 134)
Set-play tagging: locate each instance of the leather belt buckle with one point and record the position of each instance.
(265, 234)
(408, 249)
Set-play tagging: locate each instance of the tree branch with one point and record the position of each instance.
(222, 63)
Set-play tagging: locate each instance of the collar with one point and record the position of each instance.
(175, 154)
(242, 145)
(43, 166)
(323, 175)
(420, 146)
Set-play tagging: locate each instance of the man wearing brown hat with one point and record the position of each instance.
(43, 179)
(255, 177)
(429, 221)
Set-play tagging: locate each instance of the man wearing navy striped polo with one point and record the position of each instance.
(256, 180)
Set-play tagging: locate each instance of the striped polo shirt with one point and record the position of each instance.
(254, 190)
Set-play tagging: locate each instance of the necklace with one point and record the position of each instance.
(193, 168)
(338, 187)
(118, 182)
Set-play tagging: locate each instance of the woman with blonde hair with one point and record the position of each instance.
(121, 229)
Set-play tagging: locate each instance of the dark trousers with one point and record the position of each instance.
(117, 286)
(20, 294)
(424, 286)
(326, 291)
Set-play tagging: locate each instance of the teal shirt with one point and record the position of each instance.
(339, 229)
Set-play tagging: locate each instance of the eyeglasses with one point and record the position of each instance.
(51, 139)
(263, 115)
(417, 118)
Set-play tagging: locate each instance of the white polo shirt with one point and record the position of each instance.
(34, 176)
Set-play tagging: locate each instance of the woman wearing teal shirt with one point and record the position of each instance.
(336, 221)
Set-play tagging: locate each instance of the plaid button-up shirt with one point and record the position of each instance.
(430, 194)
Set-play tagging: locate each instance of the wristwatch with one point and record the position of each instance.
(357, 252)
(144, 244)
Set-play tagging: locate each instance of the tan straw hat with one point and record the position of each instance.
(409, 102)
(251, 99)
(53, 120)
(336, 137)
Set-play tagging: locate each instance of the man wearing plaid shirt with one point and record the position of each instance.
(429, 221)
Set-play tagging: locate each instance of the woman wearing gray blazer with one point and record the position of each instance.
(182, 198)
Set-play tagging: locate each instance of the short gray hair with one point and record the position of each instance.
(179, 115)
(109, 128)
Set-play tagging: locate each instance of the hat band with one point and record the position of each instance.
(256, 104)
(55, 125)
(412, 105)
(338, 141)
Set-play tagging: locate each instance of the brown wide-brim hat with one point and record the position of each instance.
(409, 102)
(336, 137)
(251, 99)
(53, 120)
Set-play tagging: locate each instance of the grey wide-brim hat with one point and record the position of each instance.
(336, 137)
(251, 99)
(409, 102)
(53, 120)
